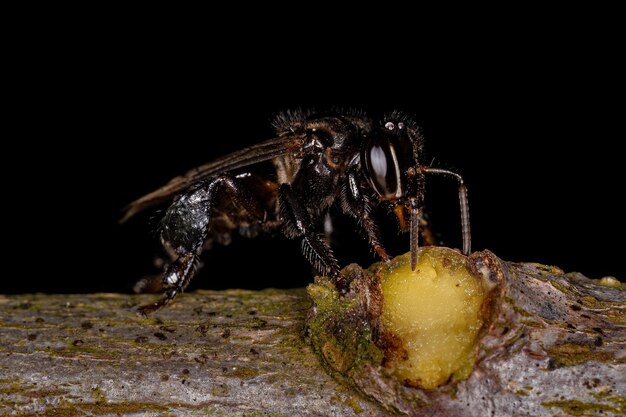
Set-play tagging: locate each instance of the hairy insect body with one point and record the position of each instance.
(317, 160)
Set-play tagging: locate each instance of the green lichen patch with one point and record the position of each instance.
(15, 386)
(618, 401)
(98, 395)
(571, 354)
(95, 409)
(243, 373)
(583, 409)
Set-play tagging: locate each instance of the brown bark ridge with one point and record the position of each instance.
(555, 345)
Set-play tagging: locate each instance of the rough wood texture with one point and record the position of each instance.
(556, 347)
(210, 353)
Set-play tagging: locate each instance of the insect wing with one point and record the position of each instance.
(254, 154)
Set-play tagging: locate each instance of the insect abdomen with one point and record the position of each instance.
(186, 221)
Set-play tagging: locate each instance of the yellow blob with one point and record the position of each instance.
(434, 310)
(610, 282)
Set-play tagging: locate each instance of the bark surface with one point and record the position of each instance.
(556, 346)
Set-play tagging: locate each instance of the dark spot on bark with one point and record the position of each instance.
(211, 313)
(392, 347)
(201, 359)
(203, 328)
(165, 377)
(169, 329)
(575, 307)
(32, 336)
(86, 325)
(505, 330)
(78, 342)
(157, 321)
(160, 336)
(569, 326)
(260, 323)
(39, 320)
(254, 351)
(596, 382)
(25, 305)
(226, 333)
(229, 316)
(598, 341)
(141, 339)
(224, 369)
(548, 312)
(185, 371)
(252, 312)
(585, 316)
(551, 365)
(597, 330)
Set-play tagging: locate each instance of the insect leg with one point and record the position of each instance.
(465, 220)
(185, 228)
(357, 205)
(176, 278)
(297, 224)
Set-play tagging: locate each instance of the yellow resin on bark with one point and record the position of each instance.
(435, 311)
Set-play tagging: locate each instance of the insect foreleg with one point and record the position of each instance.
(465, 220)
(357, 205)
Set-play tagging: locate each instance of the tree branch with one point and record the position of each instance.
(244, 353)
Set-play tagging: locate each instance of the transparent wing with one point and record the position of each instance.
(263, 151)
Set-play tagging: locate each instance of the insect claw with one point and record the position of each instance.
(145, 310)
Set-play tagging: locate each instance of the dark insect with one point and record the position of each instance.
(317, 159)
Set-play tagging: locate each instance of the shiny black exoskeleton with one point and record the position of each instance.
(317, 159)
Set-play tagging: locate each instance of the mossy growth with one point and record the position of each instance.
(339, 329)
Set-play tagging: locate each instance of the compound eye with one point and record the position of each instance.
(382, 167)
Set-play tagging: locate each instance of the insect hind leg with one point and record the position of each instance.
(175, 279)
(185, 228)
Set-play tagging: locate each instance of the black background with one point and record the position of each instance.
(535, 133)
